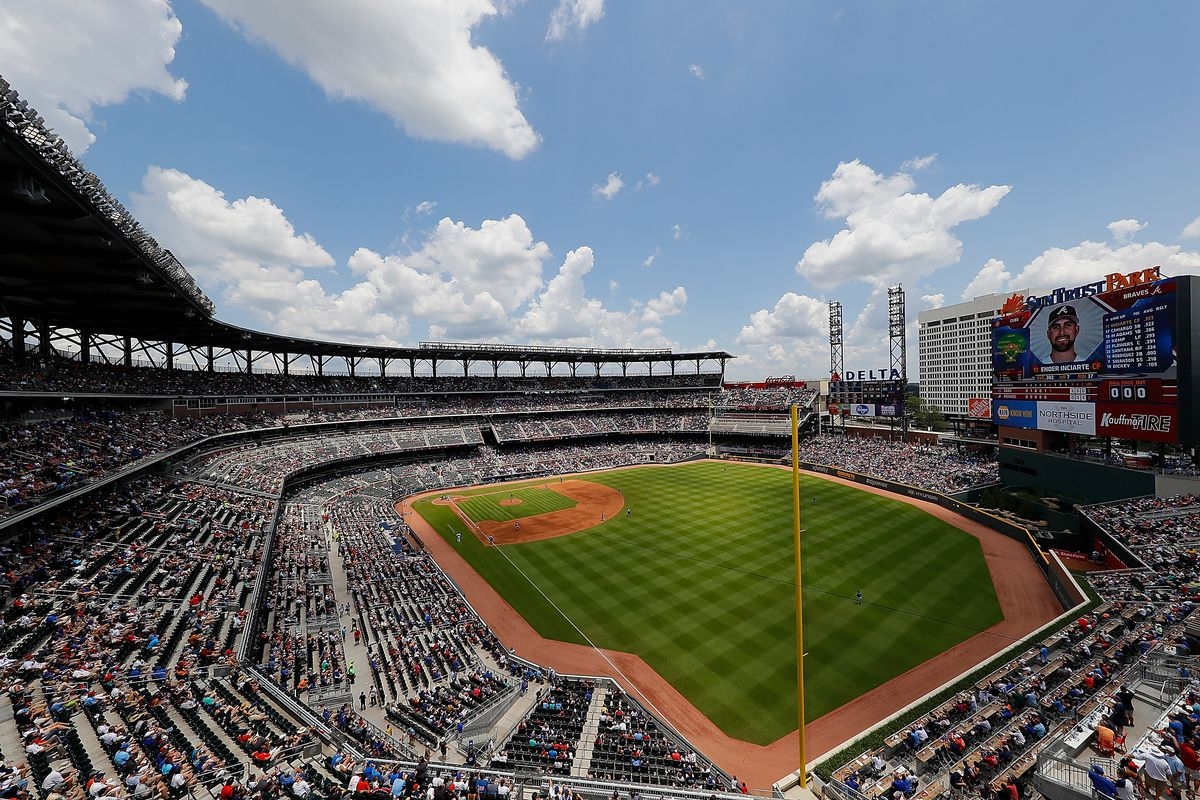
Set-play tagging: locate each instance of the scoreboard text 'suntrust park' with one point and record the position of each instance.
(1109, 358)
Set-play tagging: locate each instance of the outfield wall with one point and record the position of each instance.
(1059, 581)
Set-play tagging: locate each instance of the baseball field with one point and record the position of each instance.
(691, 567)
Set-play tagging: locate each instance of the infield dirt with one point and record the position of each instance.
(593, 502)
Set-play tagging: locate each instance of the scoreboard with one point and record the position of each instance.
(1111, 358)
(882, 397)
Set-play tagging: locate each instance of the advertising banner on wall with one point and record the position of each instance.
(979, 408)
(863, 410)
(1016, 413)
(1067, 417)
(1141, 421)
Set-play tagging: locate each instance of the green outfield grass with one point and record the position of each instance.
(699, 582)
(534, 500)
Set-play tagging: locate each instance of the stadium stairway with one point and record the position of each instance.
(587, 737)
(91, 745)
(355, 653)
(10, 738)
(502, 731)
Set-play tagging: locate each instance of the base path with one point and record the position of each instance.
(1025, 599)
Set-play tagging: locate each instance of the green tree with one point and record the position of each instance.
(923, 414)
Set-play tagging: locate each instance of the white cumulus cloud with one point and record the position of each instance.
(696, 70)
(571, 15)
(792, 338)
(1087, 261)
(920, 163)
(414, 61)
(426, 207)
(667, 304)
(610, 188)
(891, 232)
(485, 283)
(933, 300)
(676, 232)
(992, 277)
(213, 235)
(68, 58)
(564, 314)
(1192, 231)
(247, 252)
(1123, 229)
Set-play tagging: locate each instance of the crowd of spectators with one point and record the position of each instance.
(265, 467)
(767, 399)
(1150, 521)
(941, 468)
(113, 608)
(55, 450)
(552, 427)
(119, 606)
(990, 734)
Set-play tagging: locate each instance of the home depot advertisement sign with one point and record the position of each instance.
(979, 408)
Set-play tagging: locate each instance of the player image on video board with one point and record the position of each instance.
(1071, 333)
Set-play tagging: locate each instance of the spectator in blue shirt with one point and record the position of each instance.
(1101, 782)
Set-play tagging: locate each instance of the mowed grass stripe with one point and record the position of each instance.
(698, 581)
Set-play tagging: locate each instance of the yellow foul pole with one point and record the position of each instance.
(799, 593)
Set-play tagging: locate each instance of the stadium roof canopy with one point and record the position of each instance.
(73, 257)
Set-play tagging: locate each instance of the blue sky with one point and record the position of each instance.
(691, 173)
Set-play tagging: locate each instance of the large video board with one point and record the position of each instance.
(1099, 359)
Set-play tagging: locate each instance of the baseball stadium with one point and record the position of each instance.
(238, 563)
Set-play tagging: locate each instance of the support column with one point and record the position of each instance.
(44, 340)
(18, 338)
(128, 355)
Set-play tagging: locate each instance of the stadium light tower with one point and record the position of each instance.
(898, 348)
(835, 339)
(835, 353)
